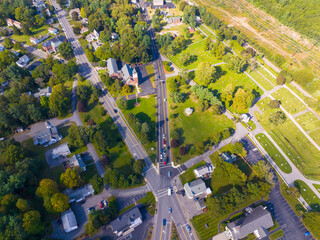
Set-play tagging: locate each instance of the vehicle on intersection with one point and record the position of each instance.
(189, 228)
(170, 210)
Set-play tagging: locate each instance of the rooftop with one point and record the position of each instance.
(125, 220)
(69, 221)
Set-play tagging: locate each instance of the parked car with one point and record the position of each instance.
(196, 199)
(90, 209)
(307, 233)
(189, 228)
(183, 193)
(164, 221)
(164, 99)
(169, 173)
(105, 203)
(163, 136)
(170, 210)
(100, 205)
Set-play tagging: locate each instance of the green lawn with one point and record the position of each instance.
(121, 159)
(34, 33)
(267, 74)
(151, 74)
(261, 80)
(311, 124)
(317, 186)
(126, 208)
(149, 202)
(188, 175)
(145, 112)
(197, 128)
(206, 31)
(292, 141)
(289, 101)
(276, 235)
(274, 153)
(308, 195)
(196, 48)
(236, 47)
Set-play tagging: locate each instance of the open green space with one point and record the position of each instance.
(206, 31)
(267, 74)
(308, 195)
(236, 47)
(151, 74)
(289, 101)
(276, 235)
(317, 186)
(311, 124)
(274, 153)
(149, 202)
(145, 112)
(188, 175)
(196, 48)
(263, 81)
(35, 32)
(292, 142)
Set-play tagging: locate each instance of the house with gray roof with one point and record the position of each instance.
(47, 137)
(79, 194)
(43, 92)
(76, 161)
(196, 188)
(128, 75)
(204, 171)
(23, 61)
(69, 221)
(256, 221)
(127, 221)
(61, 151)
(227, 158)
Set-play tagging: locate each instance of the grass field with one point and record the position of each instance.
(311, 124)
(274, 153)
(261, 80)
(308, 194)
(317, 186)
(34, 32)
(289, 101)
(276, 235)
(292, 141)
(145, 112)
(267, 74)
(196, 128)
(151, 74)
(206, 31)
(149, 202)
(188, 175)
(196, 48)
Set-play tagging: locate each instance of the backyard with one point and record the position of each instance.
(189, 175)
(292, 142)
(145, 112)
(274, 153)
(34, 32)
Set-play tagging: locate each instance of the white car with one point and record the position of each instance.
(164, 99)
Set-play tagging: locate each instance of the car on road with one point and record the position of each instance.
(105, 203)
(163, 136)
(165, 163)
(164, 142)
(196, 199)
(164, 152)
(169, 173)
(189, 228)
(164, 99)
(169, 191)
(115, 110)
(100, 204)
(183, 193)
(164, 221)
(161, 157)
(170, 210)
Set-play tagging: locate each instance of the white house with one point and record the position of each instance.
(23, 61)
(61, 151)
(158, 3)
(43, 92)
(69, 221)
(53, 31)
(93, 36)
(204, 171)
(96, 44)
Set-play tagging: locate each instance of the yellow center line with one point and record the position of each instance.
(164, 112)
(183, 232)
(161, 231)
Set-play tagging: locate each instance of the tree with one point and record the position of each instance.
(182, 5)
(176, 97)
(277, 118)
(59, 202)
(105, 160)
(13, 153)
(8, 43)
(75, 16)
(203, 105)
(16, 31)
(71, 178)
(44, 12)
(122, 103)
(75, 137)
(81, 107)
(9, 201)
(66, 50)
(59, 100)
(175, 134)
(205, 74)
(281, 80)
(32, 223)
(263, 170)
(138, 166)
(83, 13)
(238, 148)
(25, 30)
(243, 99)
(47, 187)
(175, 143)
(274, 104)
(186, 58)
(183, 151)
(23, 205)
(293, 191)
(97, 184)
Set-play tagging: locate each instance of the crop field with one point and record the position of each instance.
(274, 153)
(197, 49)
(292, 142)
(264, 82)
(289, 101)
(311, 124)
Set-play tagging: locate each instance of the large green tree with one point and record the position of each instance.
(59, 202)
(71, 178)
(66, 50)
(205, 74)
(32, 223)
(59, 100)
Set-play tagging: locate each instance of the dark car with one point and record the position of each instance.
(307, 233)
(164, 222)
(183, 193)
(196, 199)
(164, 142)
(189, 228)
(115, 110)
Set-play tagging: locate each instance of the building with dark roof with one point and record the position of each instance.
(256, 221)
(127, 221)
(52, 44)
(47, 137)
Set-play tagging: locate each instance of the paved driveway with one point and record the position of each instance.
(145, 82)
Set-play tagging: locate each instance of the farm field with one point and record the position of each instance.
(311, 124)
(308, 194)
(292, 141)
(196, 48)
(274, 153)
(289, 101)
(263, 81)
